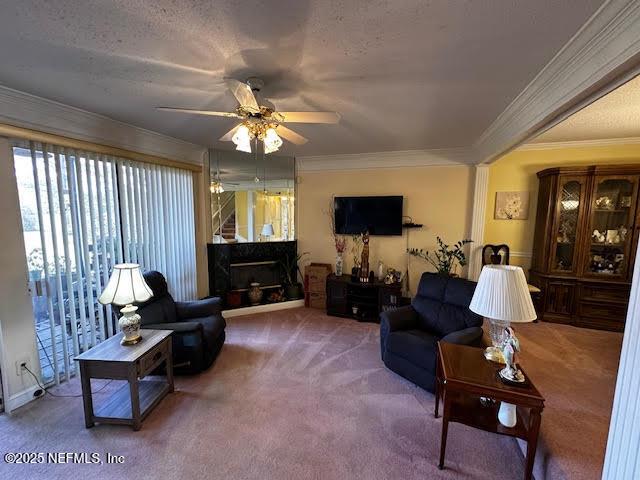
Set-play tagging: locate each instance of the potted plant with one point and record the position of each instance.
(35, 262)
(290, 266)
(445, 258)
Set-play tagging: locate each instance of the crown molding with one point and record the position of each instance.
(24, 110)
(393, 159)
(602, 142)
(604, 48)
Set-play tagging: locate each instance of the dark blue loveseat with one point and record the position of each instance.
(440, 311)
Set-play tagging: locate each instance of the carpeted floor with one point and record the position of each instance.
(297, 394)
(575, 369)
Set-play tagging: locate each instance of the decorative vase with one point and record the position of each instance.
(255, 293)
(381, 271)
(507, 414)
(234, 299)
(339, 265)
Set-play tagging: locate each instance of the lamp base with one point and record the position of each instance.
(129, 325)
(131, 341)
(494, 354)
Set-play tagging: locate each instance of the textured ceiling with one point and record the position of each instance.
(404, 74)
(616, 115)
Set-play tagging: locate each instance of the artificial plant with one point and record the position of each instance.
(445, 257)
(290, 265)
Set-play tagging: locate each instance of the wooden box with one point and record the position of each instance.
(315, 284)
(317, 300)
(317, 274)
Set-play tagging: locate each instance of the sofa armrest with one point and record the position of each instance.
(178, 327)
(403, 318)
(198, 308)
(467, 336)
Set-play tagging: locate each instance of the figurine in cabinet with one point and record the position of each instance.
(622, 231)
(598, 237)
(605, 203)
(613, 237)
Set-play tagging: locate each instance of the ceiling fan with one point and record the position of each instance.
(259, 118)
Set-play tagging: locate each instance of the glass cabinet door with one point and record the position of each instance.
(569, 205)
(612, 218)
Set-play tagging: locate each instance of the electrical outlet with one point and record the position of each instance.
(19, 370)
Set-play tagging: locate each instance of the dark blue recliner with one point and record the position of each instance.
(198, 326)
(440, 311)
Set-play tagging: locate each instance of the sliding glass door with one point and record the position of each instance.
(82, 213)
(70, 215)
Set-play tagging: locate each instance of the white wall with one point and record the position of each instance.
(622, 458)
(17, 330)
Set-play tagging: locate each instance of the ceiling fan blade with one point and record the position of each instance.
(200, 112)
(310, 117)
(290, 135)
(243, 94)
(227, 136)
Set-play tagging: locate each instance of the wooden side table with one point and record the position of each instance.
(133, 402)
(463, 376)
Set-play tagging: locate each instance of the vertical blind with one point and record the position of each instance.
(82, 213)
(158, 223)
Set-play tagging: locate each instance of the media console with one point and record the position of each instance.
(362, 301)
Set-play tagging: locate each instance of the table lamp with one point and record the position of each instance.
(267, 230)
(502, 296)
(126, 286)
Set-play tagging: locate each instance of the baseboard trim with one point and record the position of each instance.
(520, 254)
(21, 398)
(270, 307)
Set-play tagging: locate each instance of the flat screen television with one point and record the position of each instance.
(377, 215)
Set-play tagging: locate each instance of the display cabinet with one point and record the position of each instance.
(585, 240)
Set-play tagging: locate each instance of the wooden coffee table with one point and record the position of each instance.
(463, 376)
(132, 403)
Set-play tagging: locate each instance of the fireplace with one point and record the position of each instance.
(234, 266)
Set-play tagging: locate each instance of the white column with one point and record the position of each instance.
(477, 220)
(622, 458)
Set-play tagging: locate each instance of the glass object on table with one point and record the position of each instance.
(497, 335)
(611, 221)
(566, 230)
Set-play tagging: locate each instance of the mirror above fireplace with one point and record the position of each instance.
(252, 196)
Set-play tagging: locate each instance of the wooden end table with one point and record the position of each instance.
(463, 376)
(132, 403)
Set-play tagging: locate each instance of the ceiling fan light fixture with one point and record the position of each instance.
(242, 139)
(272, 142)
(216, 187)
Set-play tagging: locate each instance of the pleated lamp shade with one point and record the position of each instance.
(126, 286)
(267, 229)
(502, 294)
